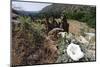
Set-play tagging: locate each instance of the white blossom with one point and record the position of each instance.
(63, 34)
(74, 51)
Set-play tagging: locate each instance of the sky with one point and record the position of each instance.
(28, 6)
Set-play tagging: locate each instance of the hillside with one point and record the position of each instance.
(78, 12)
(59, 33)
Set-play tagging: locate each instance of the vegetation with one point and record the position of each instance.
(88, 16)
(83, 13)
(36, 42)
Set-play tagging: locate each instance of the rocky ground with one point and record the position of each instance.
(31, 45)
(80, 34)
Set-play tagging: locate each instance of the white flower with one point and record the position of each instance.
(63, 34)
(74, 52)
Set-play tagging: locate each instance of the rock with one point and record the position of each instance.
(90, 35)
(91, 55)
(74, 51)
(82, 39)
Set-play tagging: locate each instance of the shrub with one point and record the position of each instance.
(86, 14)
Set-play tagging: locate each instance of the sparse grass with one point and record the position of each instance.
(28, 37)
(33, 35)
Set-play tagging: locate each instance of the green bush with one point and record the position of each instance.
(86, 14)
(34, 31)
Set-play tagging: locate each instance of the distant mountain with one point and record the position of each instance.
(83, 13)
(56, 9)
(60, 8)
